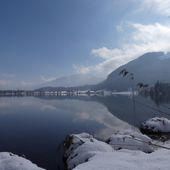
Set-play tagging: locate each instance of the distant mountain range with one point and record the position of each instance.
(75, 80)
(148, 69)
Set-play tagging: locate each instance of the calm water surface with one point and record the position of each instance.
(36, 127)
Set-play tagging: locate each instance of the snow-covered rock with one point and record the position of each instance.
(157, 124)
(9, 161)
(132, 140)
(83, 152)
(81, 147)
(128, 160)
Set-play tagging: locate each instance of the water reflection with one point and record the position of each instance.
(36, 127)
(122, 107)
(85, 110)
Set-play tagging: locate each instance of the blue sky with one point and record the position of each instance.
(44, 39)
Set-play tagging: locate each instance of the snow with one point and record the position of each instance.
(126, 93)
(128, 160)
(157, 124)
(82, 147)
(131, 140)
(83, 152)
(9, 161)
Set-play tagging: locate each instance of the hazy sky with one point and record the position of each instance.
(44, 39)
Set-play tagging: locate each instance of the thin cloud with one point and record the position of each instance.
(45, 79)
(81, 69)
(160, 7)
(144, 38)
(26, 83)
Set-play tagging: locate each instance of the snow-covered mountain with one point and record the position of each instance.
(148, 69)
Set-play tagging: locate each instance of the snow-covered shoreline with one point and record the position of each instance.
(125, 150)
(84, 152)
(9, 161)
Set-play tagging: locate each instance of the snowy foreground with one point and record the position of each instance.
(128, 160)
(9, 161)
(128, 150)
(157, 124)
(124, 151)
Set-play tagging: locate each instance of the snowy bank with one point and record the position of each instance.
(128, 160)
(156, 124)
(9, 161)
(130, 140)
(85, 152)
(80, 148)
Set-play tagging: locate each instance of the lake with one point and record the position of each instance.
(36, 127)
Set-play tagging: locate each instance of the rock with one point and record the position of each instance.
(81, 147)
(156, 125)
(131, 140)
(9, 161)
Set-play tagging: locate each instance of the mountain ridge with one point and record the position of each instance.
(148, 68)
